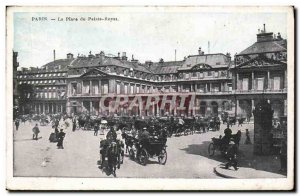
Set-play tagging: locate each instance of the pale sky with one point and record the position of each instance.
(148, 36)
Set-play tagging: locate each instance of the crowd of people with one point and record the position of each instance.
(155, 126)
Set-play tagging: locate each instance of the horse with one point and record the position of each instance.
(113, 157)
(128, 141)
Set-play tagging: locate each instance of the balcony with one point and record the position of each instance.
(265, 91)
(150, 94)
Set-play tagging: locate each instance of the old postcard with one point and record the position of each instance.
(150, 98)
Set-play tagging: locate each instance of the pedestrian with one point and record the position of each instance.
(231, 155)
(74, 124)
(96, 129)
(248, 140)
(61, 136)
(36, 132)
(17, 123)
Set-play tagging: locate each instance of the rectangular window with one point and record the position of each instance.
(216, 74)
(201, 74)
(201, 88)
(104, 84)
(95, 87)
(187, 76)
(245, 84)
(118, 88)
(216, 87)
(260, 84)
(194, 74)
(137, 89)
(229, 87)
(276, 83)
(126, 88)
(86, 87)
(131, 89)
(74, 88)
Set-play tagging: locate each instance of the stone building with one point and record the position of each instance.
(205, 76)
(15, 83)
(260, 72)
(49, 83)
(214, 83)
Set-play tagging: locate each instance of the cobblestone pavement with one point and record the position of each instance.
(187, 156)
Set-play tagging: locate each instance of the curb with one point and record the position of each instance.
(222, 175)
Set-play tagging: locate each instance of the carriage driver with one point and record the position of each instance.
(111, 136)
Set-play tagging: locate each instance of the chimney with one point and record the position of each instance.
(134, 60)
(279, 36)
(264, 36)
(102, 55)
(70, 56)
(118, 55)
(124, 56)
(199, 51)
(148, 63)
(53, 55)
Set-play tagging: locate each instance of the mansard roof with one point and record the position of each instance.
(266, 47)
(55, 64)
(168, 67)
(107, 61)
(213, 60)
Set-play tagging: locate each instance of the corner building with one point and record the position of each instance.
(260, 72)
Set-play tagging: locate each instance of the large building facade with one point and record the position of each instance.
(214, 83)
(49, 85)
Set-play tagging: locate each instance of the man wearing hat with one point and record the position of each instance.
(231, 155)
(111, 135)
(61, 136)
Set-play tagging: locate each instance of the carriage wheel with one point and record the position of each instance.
(211, 149)
(131, 154)
(162, 158)
(143, 157)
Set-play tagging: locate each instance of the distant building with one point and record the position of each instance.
(49, 84)
(218, 83)
(15, 83)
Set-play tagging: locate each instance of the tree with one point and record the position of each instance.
(26, 94)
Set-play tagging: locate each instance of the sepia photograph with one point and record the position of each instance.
(150, 98)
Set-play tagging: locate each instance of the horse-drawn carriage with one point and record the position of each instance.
(111, 155)
(217, 144)
(214, 124)
(143, 150)
(222, 144)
